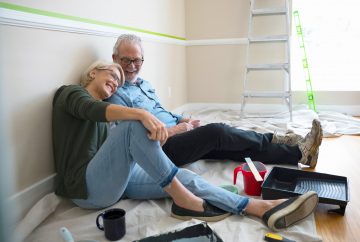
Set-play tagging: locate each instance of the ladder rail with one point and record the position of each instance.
(309, 91)
(286, 94)
(288, 46)
(247, 56)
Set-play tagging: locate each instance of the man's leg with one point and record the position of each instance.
(273, 154)
(220, 141)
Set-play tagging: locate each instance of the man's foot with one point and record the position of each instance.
(309, 146)
(291, 211)
(288, 139)
(210, 213)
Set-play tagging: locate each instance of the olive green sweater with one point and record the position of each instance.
(79, 128)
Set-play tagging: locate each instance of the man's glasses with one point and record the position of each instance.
(128, 61)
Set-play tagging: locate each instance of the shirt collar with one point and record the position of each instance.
(129, 84)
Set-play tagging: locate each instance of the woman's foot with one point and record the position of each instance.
(210, 213)
(257, 207)
(183, 197)
(194, 204)
(279, 214)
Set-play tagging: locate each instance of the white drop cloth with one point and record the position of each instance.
(333, 123)
(146, 218)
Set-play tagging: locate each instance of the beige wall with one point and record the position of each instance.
(220, 68)
(156, 15)
(216, 19)
(217, 70)
(36, 62)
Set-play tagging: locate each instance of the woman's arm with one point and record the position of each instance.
(157, 130)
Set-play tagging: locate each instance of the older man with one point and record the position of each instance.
(188, 141)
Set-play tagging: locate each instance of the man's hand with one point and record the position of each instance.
(157, 129)
(184, 126)
(195, 123)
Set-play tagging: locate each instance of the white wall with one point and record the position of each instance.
(38, 61)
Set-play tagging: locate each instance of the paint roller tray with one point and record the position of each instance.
(195, 233)
(284, 182)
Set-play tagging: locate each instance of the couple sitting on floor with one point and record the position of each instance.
(139, 157)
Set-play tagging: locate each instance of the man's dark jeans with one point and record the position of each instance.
(220, 141)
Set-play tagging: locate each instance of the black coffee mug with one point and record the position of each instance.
(113, 223)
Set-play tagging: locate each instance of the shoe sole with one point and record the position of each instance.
(313, 162)
(206, 219)
(301, 208)
(316, 145)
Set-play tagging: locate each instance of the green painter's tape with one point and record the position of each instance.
(83, 20)
(309, 91)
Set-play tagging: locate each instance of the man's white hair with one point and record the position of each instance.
(127, 38)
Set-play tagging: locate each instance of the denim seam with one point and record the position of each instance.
(241, 207)
(170, 177)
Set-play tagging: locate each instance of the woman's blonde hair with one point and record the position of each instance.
(101, 65)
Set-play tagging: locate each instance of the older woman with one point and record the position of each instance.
(97, 166)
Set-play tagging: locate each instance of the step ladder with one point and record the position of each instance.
(284, 92)
(305, 63)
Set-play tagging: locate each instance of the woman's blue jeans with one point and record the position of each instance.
(130, 165)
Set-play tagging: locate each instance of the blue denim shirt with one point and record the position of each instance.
(142, 95)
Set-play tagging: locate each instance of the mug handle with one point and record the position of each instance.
(101, 227)
(236, 170)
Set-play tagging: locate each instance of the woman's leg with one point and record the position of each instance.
(142, 186)
(108, 173)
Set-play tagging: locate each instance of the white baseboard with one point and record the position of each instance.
(352, 110)
(25, 199)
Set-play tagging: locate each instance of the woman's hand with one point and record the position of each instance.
(157, 129)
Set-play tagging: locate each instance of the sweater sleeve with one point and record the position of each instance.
(79, 103)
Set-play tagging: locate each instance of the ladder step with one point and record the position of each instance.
(267, 94)
(264, 67)
(266, 39)
(268, 11)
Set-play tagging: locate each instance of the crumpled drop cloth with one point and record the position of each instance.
(147, 218)
(152, 217)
